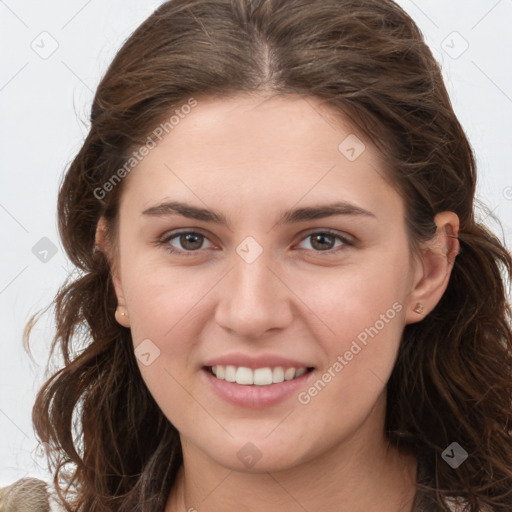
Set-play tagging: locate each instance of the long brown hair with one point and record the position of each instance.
(112, 449)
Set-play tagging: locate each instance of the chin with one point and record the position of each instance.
(257, 453)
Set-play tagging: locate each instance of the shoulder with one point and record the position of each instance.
(28, 495)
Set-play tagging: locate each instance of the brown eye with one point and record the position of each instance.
(186, 242)
(322, 241)
(191, 241)
(326, 241)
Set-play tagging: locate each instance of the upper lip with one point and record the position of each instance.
(253, 362)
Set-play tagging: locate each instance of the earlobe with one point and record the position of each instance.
(122, 317)
(437, 260)
(103, 244)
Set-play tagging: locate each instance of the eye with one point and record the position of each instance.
(324, 241)
(190, 242)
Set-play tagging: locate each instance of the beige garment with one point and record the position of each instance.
(29, 495)
(25, 495)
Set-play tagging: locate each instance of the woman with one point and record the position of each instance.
(286, 302)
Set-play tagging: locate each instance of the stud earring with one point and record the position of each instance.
(419, 308)
(120, 313)
(122, 317)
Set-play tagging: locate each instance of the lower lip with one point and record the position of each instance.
(254, 397)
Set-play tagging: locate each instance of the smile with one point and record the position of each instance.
(258, 376)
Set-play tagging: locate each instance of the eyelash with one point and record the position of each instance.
(164, 242)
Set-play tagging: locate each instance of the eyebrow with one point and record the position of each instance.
(292, 216)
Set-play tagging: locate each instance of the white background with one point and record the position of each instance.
(44, 110)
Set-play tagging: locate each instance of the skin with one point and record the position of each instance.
(251, 158)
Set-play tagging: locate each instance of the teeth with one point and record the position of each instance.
(289, 374)
(262, 376)
(258, 377)
(230, 375)
(244, 376)
(278, 375)
(299, 372)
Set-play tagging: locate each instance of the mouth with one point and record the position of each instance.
(265, 376)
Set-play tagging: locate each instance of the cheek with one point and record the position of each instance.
(164, 304)
(162, 299)
(359, 333)
(362, 313)
(351, 298)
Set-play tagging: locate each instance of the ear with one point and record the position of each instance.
(108, 248)
(434, 267)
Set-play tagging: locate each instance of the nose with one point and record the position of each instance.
(253, 298)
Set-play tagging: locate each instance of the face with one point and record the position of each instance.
(261, 241)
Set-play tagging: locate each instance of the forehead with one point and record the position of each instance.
(256, 147)
(241, 123)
